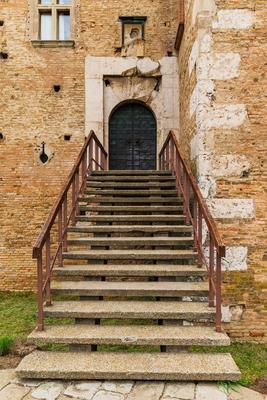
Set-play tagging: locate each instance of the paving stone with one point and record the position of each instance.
(48, 391)
(82, 390)
(210, 391)
(103, 395)
(6, 376)
(120, 387)
(13, 392)
(146, 391)
(184, 391)
(243, 393)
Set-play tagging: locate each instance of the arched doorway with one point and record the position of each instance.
(132, 137)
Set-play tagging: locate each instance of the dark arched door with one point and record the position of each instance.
(132, 138)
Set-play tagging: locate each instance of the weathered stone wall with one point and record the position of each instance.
(32, 112)
(224, 131)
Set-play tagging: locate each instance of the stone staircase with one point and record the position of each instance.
(131, 278)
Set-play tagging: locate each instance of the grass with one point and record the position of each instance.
(18, 319)
(5, 345)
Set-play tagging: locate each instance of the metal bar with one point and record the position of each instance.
(211, 272)
(102, 160)
(218, 293)
(40, 316)
(195, 222)
(73, 202)
(172, 155)
(77, 190)
(60, 238)
(65, 223)
(48, 271)
(199, 233)
(97, 156)
(90, 151)
(168, 155)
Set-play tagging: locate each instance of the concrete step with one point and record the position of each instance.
(130, 270)
(136, 366)
(156, 310)
(131, 218)
(130, 178)
(118, 172)
(132, 241)
(130, 255)
(132, 209)
(134, 192)
(143, 335)
(137, 185)
(143, 289)
(131, 228)
(126, 200)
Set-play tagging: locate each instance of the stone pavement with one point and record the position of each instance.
(13, 389)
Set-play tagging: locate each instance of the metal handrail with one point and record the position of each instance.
(92, 157)
(196, 211)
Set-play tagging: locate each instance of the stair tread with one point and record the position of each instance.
(131, 269)
(142, 366)
(125, 228)
(123, 178)
(130, 309)
(133, 334)
(155, 253)
(166, 289)
(99, 199)
(132, 241)
(131, 172)
(128, 218)
(124, 208)
(131, 192)
(131, 184)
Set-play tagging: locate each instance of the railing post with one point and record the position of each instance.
(178, 172)
(97, 156)
(73, 201)
(163, 160)
(199, 233)
(48, 271)
(90, 152)
(102, 158)
(60, 238)
(218, 292)
(172, 155)
(167, 163)
(211, 271)
(77, 192)
(195, 222)
(40, 316)
(65, 222)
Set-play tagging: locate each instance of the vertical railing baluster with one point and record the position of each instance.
(102, 158)
(211, 271)
(60, 238)
(90, 162)
(73, 201)
(77, 191)
(168, 156)
(65, 222)
(48, 271)
(218, 292)
(172, 155)
(97, 156)
(195, 222)
(164, 159)
(40, 316)
(199, 233)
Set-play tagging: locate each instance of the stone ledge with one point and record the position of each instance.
(53, 43)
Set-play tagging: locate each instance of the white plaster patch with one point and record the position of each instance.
(207, 186)
(225, 116)
(205, 43)
(193, 56)
(202, 6)
(219, 66)
(147, 66)
(230, 165)
(203, 93)
(231, 208)
(234, 19)
(226, 314)
(235, 259)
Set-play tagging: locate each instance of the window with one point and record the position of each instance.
(133, 28)
(54, 19)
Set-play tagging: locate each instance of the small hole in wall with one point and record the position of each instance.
(67, 138)
(3, 56)
(56, 88)
(107, 82)
(2, 137)
(43, 155)
(1, 23)
(169, 53)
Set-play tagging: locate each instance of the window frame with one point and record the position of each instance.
(54, 9)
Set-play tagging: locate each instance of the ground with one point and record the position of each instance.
(18, 319)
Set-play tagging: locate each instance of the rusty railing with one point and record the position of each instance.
(196, 212)
(53, 235)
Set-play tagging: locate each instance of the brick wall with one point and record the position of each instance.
(32, 113)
